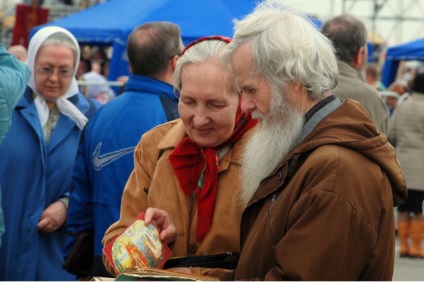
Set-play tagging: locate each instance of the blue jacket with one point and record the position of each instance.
(34, 175)
(105, 157)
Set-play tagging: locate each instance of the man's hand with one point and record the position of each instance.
(167, 230)
(53, 217)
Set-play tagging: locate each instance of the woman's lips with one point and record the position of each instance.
(203, 131)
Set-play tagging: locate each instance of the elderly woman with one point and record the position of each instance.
(38, 155)
(190, 167)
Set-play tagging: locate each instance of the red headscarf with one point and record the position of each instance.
(197, 170)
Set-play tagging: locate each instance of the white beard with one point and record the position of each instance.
(270, 143)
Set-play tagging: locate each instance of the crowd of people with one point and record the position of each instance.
(260, 145)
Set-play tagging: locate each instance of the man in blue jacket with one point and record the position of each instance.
(14, 76)
(105, 158)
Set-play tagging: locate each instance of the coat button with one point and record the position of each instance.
(192, 248)
(279, 175)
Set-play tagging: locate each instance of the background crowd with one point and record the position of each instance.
(271, 140)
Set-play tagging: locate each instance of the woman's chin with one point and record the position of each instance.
(204, 142)
(52, 97)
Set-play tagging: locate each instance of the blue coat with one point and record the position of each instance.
(105, 159)
(34, 175)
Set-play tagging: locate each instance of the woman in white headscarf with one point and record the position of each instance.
(37, 158)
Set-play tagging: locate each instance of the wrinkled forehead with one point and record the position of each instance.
(46, 52)
(208, 76)
(242, 65)
(241, 60)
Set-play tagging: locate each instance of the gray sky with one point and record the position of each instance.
(392, 31)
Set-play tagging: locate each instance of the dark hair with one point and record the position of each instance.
(348, 35)
(372, 70)
(87, 63)
(152, 45)
(418, 83)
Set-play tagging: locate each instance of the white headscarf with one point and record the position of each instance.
(63, 104)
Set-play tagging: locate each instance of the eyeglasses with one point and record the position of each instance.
(206, 38)
(45, 70)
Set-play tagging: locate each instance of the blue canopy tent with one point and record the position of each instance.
(370, 52)
(110, 23)
(406, 52)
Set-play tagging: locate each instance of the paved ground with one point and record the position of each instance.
(407, 269)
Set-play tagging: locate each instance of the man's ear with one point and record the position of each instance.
(360, 58)
(174, 62)
(297, 86)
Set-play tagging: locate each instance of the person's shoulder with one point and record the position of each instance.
(337, 162)
(162, 129)
(409, 103)
(370, 89)
(359, 90)
(88, 105)
(168, 134)
(93, 76)
(373, 95)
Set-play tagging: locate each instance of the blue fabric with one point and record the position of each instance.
(100, 25)
(410, 51)
(14, 76)
(105, 157)
(33, 175)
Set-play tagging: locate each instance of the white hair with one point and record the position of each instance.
(64, 40)
(287, 47)
(199, 53)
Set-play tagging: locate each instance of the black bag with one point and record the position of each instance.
(80, 260)
(226, 260)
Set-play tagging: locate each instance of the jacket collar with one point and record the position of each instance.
(347, 70)
(277, 178)
(64, 126)
(145, 84)
(28, 99)
(174, 136)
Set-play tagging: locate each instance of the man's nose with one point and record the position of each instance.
(247, 105)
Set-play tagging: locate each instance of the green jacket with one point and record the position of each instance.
(14, 76)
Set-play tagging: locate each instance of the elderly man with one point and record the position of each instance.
(319, 181)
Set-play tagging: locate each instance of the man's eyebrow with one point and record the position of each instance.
(247, 86)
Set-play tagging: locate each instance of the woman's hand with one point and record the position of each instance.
(167, 230)
(53, 217)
